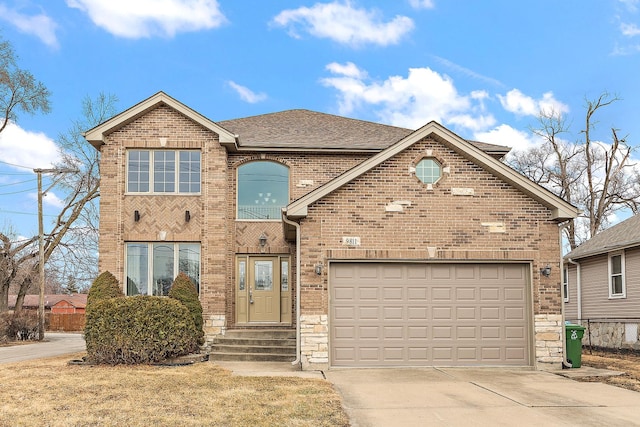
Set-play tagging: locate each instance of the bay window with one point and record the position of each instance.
(152, 267)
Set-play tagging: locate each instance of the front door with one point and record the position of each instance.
(264, 289)
(263, 293)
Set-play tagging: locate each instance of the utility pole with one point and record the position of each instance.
(39, 172)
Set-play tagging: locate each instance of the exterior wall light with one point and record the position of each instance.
(136, 216)
(546, 272)
(262, 240)
(318, 269)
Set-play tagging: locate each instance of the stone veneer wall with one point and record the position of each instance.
(548, 340)
(612, 335)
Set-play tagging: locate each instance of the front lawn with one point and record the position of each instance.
(51, 392)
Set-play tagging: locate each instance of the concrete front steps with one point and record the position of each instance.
(260, 345)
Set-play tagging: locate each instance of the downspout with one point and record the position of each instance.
(297, 226)
(565, 363)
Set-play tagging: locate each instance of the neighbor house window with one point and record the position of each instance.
(163, 171)
(263, 190)
(429, 171)
(616, 275)
(152, 267)
(565, 284)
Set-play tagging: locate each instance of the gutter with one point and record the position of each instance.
(297, 226)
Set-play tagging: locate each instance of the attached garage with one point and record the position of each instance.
(423, 314)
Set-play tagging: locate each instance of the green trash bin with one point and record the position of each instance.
(574, 334)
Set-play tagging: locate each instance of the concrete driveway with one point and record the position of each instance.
(54, 344)
(479, 397)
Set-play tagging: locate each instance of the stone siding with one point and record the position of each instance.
(612, 335)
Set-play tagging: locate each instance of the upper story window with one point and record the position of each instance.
(617, 288)
(429, 170)
(263, 190)
(163, 171)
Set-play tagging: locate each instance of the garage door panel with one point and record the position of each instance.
(514, 313)
(489, 294)
(393, 313)
(368, 293)
(429, 315)
(417, 332)
(466, 294)
(368, 313)
(393, 332)
(442, 313)
(417, 313)
(393, 293)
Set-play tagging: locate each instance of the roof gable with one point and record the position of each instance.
(96, 135)
(560, 209)
(623, 235)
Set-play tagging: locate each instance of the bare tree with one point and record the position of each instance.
(596, 176)
(19, 90)
(71, 245)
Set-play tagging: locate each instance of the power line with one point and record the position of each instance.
(17, 183)
(17, 192)
(3, 211)
(16, 166)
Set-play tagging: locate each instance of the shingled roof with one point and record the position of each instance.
(623, 235)
(305, 129)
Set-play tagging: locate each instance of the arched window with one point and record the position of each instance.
(263, 190)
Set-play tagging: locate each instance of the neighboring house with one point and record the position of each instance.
(55, 303)
(382, 246)
(602, 286)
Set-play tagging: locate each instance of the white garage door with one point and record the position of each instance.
(401, 314)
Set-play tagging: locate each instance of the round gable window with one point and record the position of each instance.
(429, 171)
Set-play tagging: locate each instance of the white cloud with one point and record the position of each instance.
(349, 70)
(147, 18)
(29, 149)
(518, 103)
(422, 4)
(344, 23)
(509, 137)
(629, 30)
(411, 101)
(41, 25)
(247, 94)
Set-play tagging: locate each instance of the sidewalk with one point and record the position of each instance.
(54, 344)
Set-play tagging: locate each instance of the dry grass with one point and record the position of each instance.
(627, 362)
(50, 392)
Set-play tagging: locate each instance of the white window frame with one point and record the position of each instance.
(420, 176)
(176, 263)
(565, 283)
(623, 294)
(151, 173)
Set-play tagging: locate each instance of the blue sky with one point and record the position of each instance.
(482, 68)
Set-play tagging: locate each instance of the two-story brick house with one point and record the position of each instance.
(380, 246)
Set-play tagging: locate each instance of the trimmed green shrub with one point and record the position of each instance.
(105, 286)
(185, 291)
(140, 329)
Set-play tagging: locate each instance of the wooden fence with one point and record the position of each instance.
(67, 322)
